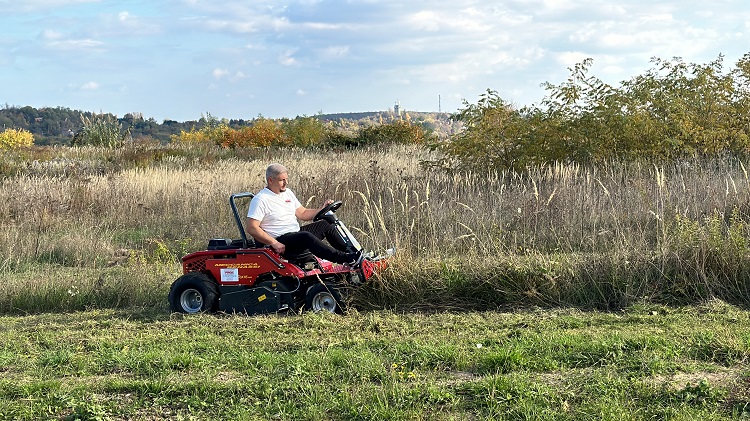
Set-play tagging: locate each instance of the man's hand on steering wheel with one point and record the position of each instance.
(330, 206)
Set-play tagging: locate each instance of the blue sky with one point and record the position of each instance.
(180, 59)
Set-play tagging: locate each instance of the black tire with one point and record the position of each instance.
(324, 297)
(193, 292)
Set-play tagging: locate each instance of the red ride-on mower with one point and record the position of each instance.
(240, 276)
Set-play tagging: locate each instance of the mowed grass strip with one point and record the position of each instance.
(649, 362)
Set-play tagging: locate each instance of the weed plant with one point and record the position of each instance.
(554, 235)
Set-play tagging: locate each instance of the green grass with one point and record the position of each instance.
(54, 288)
(648, 362)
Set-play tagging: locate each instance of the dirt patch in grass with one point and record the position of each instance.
(725, 379)
(454, 378)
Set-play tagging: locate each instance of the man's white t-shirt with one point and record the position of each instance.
(275, 211)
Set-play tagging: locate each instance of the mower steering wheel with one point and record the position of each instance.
(330, 208)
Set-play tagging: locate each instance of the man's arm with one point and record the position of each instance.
(308, 214)
(253, 228)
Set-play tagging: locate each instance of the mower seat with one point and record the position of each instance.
(228, 244)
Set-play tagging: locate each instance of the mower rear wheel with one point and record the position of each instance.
(192, 293)
(324, 297)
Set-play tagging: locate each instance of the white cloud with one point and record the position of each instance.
(571, 58)
(469, 20)
(319, 26)
(27, 6)
(51, 35)
(56, 40)
(425, 21)
(225, 74)
(509, 17)
(287, 59)
(657, 19)
(558, 5)
(75, 45)
(87, 86)
(336, 51)
(220, 73)
(238, 27)
(126, 25)
(253, 46)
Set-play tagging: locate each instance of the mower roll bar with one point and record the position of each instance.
(236, 213)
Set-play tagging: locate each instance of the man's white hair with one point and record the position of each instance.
(275, 170)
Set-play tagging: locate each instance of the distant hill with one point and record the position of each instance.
(348, 116)
(437, 123)
(58, 125)
(369, 115)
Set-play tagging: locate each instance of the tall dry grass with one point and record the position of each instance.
(555, 235)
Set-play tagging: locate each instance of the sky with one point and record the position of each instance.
(183, 59)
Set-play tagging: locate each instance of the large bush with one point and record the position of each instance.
(674, 110)
(262, 132)
(15, 138)
(100, 130)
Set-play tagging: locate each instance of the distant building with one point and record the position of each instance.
(397, 109)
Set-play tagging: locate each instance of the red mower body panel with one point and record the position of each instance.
(244, 266)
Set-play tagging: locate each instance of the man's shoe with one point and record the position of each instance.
(357, 261)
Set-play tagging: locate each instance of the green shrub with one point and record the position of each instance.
(100, 130)
(305, 131)
(212, 131)
(495, 136)
(396, 132)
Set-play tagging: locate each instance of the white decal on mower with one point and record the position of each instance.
(230, 275)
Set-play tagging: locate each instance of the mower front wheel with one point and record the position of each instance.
(324, 297)
(192, 293)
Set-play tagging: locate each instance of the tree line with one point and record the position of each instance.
(59, 125)
(63, 126)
